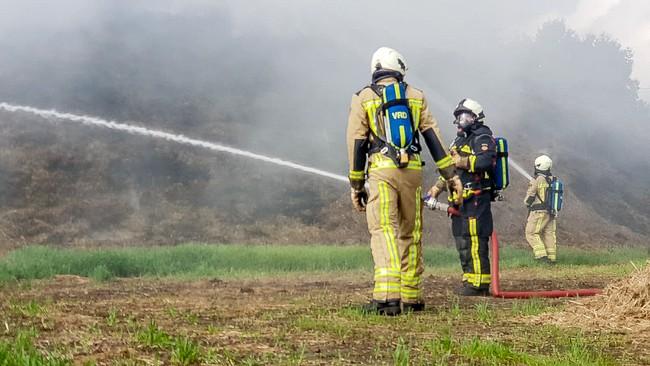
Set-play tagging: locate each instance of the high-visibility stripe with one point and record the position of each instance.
(415, 105)
(410, 290)
(387, 129)
(415, 283)
(370, 107)
(380, 163)
(504, 162)
(466, 149)
(384, 273)
(410, 293)
(410, 278)
(387, 271)
(473, 278)
(476, 260)
(417, 229)
(539, 249)
(386, 226)
(542, 186)
(357, 174)
(538, 227)
(472, 163)
(444, 162)
(402, 136)
(387, 287)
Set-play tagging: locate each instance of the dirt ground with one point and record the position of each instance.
(289, 320)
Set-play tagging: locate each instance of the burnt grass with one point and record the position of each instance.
(310, 319)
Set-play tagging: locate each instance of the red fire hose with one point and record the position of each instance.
(496, 290)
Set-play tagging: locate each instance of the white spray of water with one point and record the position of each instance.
(94, 121)
(518, 168)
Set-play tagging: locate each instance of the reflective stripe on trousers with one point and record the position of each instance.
(394, 220)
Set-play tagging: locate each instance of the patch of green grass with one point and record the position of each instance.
(570, 349)
(484, 312)
(101, 273)
(195, 260)
(111, 317)
(528, 307)
(402, 353)
(296, 357)
(21, 351)
(308, 323)
(493, 353)
(192, 318)
(185, 351)
(30, 309)
(440, 349)
(153, 336)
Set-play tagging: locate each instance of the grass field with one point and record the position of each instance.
(232, 261)
(288, 305)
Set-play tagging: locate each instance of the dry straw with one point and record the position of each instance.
(624, 306)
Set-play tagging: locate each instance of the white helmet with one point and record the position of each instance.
(470, 105)
(543, 163)
(388, 59)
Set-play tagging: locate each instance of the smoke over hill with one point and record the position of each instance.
(277, 80)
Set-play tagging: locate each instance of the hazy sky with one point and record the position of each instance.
(626, 20)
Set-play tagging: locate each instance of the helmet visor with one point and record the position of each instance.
(464, 119)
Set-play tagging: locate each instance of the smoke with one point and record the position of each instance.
(276, 77)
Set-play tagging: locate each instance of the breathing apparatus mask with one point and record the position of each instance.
(464, 121)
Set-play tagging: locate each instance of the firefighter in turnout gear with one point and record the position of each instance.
(540, 227)
(385, 124)
(474, 155)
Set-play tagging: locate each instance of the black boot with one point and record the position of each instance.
(468, 290)
(412, 307)
(390, 307)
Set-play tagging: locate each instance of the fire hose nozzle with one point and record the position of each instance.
(435, 205)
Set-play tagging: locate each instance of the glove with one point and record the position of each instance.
(456, 187)
(359, 198)
(430, 202)
(529, 201)
(434, 192)
(461, 162)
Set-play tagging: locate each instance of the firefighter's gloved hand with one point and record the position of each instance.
(461, 162)
(359, 198)
(455, 188)
(430, 202)
(434, 192)
(529, 201)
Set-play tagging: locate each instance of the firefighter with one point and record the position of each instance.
(385, 123)
(540, 226)
(474, 155)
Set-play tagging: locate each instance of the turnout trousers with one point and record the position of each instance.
(472, 230)
(394, 214)
(540, 234)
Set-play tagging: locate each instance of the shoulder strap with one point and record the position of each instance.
(376, 88)
(481, 135)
